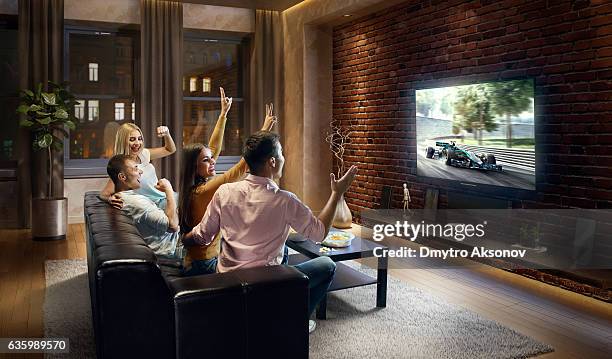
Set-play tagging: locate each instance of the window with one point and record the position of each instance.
(206, 84)
(93, 110)
(79, 110)
(9, 91)
(201, 106)
(93, 72)
(119, 111)
(9, 100)
(100, 66)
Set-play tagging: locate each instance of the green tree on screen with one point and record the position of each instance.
(473, 110)
(425, 102)
(510, 98)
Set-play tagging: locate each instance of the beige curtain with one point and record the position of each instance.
(265, 69)
(161, 100)
(41, 29)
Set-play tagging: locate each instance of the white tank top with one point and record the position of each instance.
(148, 180)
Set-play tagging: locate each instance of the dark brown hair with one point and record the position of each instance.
(258, 148)
(116, 165)
(189, 181)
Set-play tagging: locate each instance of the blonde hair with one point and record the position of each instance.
(122, 139)
(110, 134)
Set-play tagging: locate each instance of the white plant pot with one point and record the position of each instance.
(49, 218)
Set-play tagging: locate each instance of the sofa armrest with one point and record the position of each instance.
(257, 312)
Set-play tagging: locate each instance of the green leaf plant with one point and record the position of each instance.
(47, 115)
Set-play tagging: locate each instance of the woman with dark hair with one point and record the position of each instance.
(199, 184)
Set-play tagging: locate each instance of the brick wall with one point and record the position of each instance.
(566, 46)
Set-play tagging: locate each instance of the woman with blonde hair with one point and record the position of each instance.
(129, 141)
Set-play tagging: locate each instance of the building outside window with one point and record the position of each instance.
(110, 57)
(206, 84)
(93, 110)
(93, 72)
(79, 110)
(119, 111)
(201, 106)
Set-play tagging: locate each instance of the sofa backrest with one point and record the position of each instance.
(132, 307)
(142, 310)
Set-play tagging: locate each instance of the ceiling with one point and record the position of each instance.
(279, 5)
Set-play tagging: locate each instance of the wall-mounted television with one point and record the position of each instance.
(480, 133)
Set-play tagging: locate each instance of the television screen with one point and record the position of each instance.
(480, 133)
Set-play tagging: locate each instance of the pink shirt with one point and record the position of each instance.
(254, 217)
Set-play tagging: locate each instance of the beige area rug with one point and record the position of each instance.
(67, 308)
(414, 324)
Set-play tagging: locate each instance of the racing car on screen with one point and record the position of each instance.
(459, 157)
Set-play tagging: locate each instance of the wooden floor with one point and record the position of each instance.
(575, 325)
(22, 279)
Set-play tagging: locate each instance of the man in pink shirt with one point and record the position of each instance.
(254, 217)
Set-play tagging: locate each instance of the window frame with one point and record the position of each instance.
(223, 163)
(96, 167)
(8, 168)
(119, 111)
(93, 71)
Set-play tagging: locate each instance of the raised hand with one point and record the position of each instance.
(164, 185)
(162, 131)
(341, 185)
(270, 119)
(226, 102)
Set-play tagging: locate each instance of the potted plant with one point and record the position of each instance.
(46, 116)
(529, 236)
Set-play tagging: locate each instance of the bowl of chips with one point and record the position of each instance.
(338, 239)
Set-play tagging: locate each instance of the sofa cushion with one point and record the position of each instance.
(112, 239)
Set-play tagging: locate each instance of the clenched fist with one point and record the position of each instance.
(162, 131)
(164, 185)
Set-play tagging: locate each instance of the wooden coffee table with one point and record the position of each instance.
(346, 277)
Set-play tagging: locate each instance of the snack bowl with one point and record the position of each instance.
(338, 239)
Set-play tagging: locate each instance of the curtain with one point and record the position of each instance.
(41, 29)
(265, 80)
(161, 101)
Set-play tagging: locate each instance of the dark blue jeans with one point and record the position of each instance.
(320, 272)
(209, 266)
(201, 266)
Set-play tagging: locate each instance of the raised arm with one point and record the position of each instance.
(316, 228)
(216, 139)
(170, 211)
(270, 120)
(338, 188)
(169, 146)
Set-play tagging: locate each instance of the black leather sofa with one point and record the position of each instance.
(142, 308)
